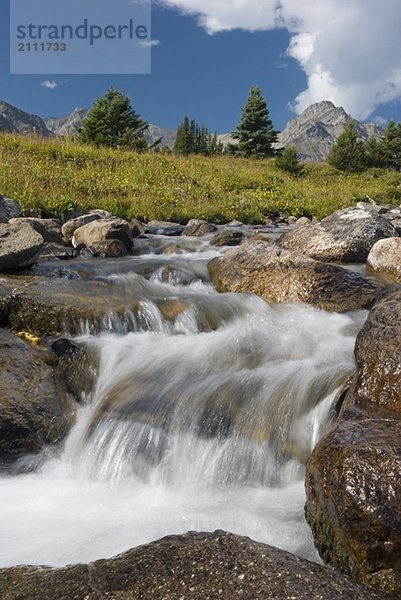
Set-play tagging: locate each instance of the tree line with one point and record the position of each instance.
(112, 122)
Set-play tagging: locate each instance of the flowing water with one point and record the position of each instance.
(199, 420)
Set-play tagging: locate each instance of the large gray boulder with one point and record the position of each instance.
(353, 481)
(195, 566)
(49, 229)
(20, 245)
(102, 230)
(279, 275)
(347, 235)
(71, 225)
(34, 409)
(384, 259)
(198, 228)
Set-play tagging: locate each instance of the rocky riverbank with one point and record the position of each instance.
(53, 286)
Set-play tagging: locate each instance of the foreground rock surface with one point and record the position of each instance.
(353, 480)
(34, 409)
(279, 275)
(195, 565)
(20, 245)
(385, 259)
(347, 235)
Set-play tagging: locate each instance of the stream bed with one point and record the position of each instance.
(200, 421)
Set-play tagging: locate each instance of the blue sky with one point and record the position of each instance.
(205, 67)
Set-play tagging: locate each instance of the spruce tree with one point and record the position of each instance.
(112, 122)
(288, 161)
(255, 132)
(391, 146)
(348, 152)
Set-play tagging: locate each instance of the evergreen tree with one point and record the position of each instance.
(348, 153)
(112, 122)
(288, 161)
(391, 146)
(193, 138)
(255, 133)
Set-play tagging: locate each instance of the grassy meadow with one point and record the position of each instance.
(54, 175)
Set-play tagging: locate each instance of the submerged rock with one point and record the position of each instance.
(279, 275)
(20, 245)
(194, 565)
(385, 259)
(353, 481)
(35, 410)
(347, 235)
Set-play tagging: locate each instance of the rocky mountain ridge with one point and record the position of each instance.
(312, 133)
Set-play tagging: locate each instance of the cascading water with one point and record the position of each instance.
(199, 420)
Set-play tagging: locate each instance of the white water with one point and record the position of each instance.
(190, 427)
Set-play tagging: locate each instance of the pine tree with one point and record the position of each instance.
(288, 161)
(184, 141)
(255, 133)
(113, 122)
(348, 153)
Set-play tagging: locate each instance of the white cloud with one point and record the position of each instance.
(149, 43)
(50, 85)
(348, 49)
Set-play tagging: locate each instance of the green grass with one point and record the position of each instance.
(54, 175)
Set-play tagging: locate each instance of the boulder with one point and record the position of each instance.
(384, 259)
(108, 249)
(194, 565)
(51, 251)
(8, 209)
(198, 227)
(102, 230)
(228, 237)
(347, 235)
(20, 245)
(353, 481)
(68, 229)
(49, 229)
(50, 306)
(163, 228)
(34, 410)
(137, 228)
(279, 275)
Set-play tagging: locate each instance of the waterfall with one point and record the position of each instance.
(202, 418)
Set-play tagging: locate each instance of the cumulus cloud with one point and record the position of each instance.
(348, 49)
(50, 85)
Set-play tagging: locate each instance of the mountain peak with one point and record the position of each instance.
(314, 132)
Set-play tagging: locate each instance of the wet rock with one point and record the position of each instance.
(385, 259)
(63, 347)
(198, 227)
(227, 237)
(49, 229)
(137, 228)
(68, 229)
(52, 306)
(353, 482)
(235, 223)
(194, 565)
(347, 235)
(282, 276)
(20, 245)
(108, 249)
(163, 228)
(34, 410)
(102, 230)
(52, 251)
(8, 209)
